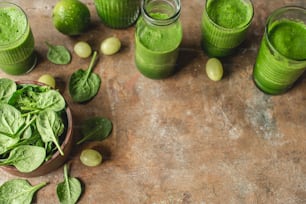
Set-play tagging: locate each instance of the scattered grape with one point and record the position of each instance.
(82, 49)
(214, 69)
(47, 79)
(91, 157)
(110, 46)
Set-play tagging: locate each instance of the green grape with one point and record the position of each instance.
(91, 157)
(82, 49)
(47, 79)
(110, 46)
(214, 69)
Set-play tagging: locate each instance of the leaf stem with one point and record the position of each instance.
(91, 65)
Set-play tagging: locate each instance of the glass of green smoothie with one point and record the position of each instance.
(224, 25)
(118, 13)
(158, 37)
(17, 54)
(281, 58)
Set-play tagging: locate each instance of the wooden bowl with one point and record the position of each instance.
(57, 159)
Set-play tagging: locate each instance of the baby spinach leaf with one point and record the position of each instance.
(58, 54)
(84, 85)
(10, 120)
(52, 100)
(97, 128)
(7, 88)
(18, 191)
(50, 126)
(68, 191)
(25, 158)
(6, 142)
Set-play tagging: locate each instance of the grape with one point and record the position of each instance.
(91, 157)
(214, 69)
(47, 79)
(82, 49)
(110, 46)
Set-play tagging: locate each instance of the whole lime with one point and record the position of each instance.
(71, 17)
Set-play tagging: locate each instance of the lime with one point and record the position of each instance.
(71, 17)
(47, 79)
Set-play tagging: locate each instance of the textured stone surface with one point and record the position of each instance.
(185, 139)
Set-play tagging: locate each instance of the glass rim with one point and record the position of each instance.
(231, 29)
(161, 22)
(5, 4)
(270, 18)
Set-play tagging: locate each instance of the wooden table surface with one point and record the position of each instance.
(185, 139)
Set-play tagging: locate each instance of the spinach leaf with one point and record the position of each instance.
(68, 191)
(58, 54)
(84, 85)
(18, 191)
(10, 120)
(52, 100)
(97, 128)
(25, 158)
(6, 142)
(7, 88)
(50, 126)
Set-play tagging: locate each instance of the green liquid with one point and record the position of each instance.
(118, 13)
(157, 48)
(224, 26)
(16, 42)
(277, 68)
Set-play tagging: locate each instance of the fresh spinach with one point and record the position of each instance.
(50, 126)
(18, 191)
(11, 120)
(96, 128)
(68, 191)
(25, 158)
(33, 116)
(84, 85)
(7, 88)
(58, 54)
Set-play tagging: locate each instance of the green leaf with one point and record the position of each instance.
(84, 85)
(7, 88)
(58, 54)
(50, 126)
(52, 100)
(10, 120)
(68, 191)
(26, 158)
(18, 191)
(97, 128)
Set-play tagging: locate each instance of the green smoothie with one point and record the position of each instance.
(224, 25)
(157, 47)
(282, 56)
(16, 41)
(118, 13)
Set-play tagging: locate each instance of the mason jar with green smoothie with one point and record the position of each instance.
(118, 13)
(17, 54)
(281, 58)
(224, 25)
(158, 37)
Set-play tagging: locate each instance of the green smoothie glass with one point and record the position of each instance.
(158, 37)
(224, 25)
(118, 13)
(281, 58)
(17, 54)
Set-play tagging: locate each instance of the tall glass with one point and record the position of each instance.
(281, 58)
(158, 37)
(17, 54)
(118, 13)
(224, 25)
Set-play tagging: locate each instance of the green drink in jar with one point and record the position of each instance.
(118, 13)
(17, 54)
(281, 58)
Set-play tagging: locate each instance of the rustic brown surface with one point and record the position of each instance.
(185, 139)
